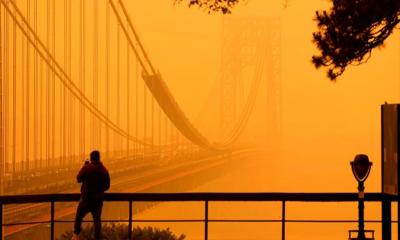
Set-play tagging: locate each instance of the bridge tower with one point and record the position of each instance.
(247, 42)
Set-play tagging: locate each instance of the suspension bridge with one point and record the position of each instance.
(75, 76)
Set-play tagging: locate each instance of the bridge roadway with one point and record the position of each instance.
(146, 181)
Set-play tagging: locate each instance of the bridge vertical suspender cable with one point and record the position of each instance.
(6, 77)
(107, 77)
(27, 99)
(144, 116)
(152, 122)
(67, 101)
(117, 140)
(7, 91)
(82, 73)
(71, 111)
(35, 87)
(63, 97)
(136, 106)
(159, 130)
(40, 120)
(14, 98)
(21, 164)
(41, 111)
(127, 97)
(95, 130)
(52, 88)
(2, 158)
(47, 85)
(164, 133)
(1, 107)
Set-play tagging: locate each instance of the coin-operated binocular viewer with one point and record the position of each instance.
(361, 166)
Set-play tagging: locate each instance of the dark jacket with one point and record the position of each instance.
(95, 180)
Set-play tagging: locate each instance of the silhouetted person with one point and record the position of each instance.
(95, 180)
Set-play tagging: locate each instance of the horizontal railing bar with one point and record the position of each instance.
(202, 220)
(333, 221)
(25, 223)
(166, 197)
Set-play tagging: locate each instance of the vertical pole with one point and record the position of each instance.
(52, 220)
(386, 219)
(283, 219)
(130, 221)
(361, 234)
(1, 220)
(206, 220)
(397, 158)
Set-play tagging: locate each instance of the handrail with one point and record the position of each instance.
(204, 196)
(207, 197)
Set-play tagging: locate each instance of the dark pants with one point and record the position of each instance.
(94, 207)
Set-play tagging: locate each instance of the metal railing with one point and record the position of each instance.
(206, 198)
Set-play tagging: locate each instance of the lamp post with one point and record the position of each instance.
(361, 166)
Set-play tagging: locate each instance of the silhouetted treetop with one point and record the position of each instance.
(349, 31)
(224, 6)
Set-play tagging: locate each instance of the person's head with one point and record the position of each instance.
(95, 156)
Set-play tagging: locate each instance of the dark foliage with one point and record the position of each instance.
(120, 232)
(350, 30)
(224, 6)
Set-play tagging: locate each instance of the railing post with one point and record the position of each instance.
(206, 220)
(1, 220)
(52, 220)
(283, 218)
(386, 219)
(130, 221)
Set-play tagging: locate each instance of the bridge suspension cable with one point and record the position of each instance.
(159, 107)
(60, 73)
(164, 97)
